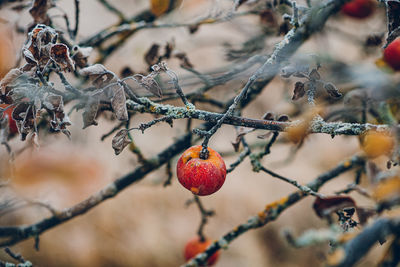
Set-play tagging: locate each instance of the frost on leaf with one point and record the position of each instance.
(9, 78)
(241, 132)
(332, 90)
(59, 53)
(314, 75)
(327, 205)
(90, 113)
(80, 55)
(98, 75)
(150, 84)
(118, 102)
(60, 120)
(37, 50)
(39, 10)
(23, 116)
(120, 141)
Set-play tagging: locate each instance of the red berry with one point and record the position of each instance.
(11, 122)
(195, 246)
(201, 176)
(392, 54)
(359, 8)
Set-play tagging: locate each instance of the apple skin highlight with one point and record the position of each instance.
(201, 176)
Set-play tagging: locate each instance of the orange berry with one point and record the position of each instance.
(195, 246)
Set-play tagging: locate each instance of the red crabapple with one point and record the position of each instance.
(391, 55)
(201, 176)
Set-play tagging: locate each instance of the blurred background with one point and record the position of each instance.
(148, 224)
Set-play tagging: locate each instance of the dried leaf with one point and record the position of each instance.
(288, 71)
(270, 116)
(98, 75)
(39, 11)
(80, 55)
(241, 132)
(332, 90)
(152, 56)
(29, 57)
(283, 118)
(326, 206)
(90, 113)
(185, 63)
(9, 78)
(118, 102)
(52, 102)
(299, 91)
(19, 110)
(299, 74)
(60, 54)
(149, 84)
(23, 116)
(314, 75)
(169, 47)
(120, 141)
(37, 49)
(55, 106)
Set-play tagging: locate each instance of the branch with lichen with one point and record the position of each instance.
(273, 210)
(316, 126)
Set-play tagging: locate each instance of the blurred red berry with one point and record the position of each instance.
(359, 8)
(391, 54)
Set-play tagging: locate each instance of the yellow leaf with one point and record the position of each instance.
(387, 189)
(376, 143)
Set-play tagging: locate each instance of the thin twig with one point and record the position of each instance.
(246, 151)
(303, 188)
(204, 217)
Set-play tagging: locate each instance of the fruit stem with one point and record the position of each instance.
(204, 153)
